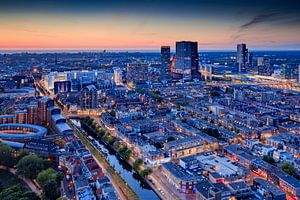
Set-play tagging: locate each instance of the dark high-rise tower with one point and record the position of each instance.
(165, 56)
(242, 57)
(186, 62)
(88, 97)
(264, 67)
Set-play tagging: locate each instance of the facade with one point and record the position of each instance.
(137, 73)
(53, 77)
(185, 147)
(179, 178)
(165, 55)
(62, 86)
(290, 71)
(32, 114)
(88, 97)
(287, 142)
(206, 190)
(240, 189)
(14, 134)
(242, 57)
(218, 168)
(268, 190)
(43, 148)
(286, 182)
(264, 67)
(43, 104)
(118, 76)
(187, 59)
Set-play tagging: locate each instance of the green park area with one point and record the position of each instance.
(8, 179)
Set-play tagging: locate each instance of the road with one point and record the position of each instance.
(28, 181)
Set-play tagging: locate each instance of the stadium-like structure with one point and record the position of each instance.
(16, 134)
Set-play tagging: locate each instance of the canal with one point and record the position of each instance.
(137, 183)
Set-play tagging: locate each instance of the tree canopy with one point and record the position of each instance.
(18, 192)
(146, 172)
(137, 164)
(269, 159)
(6, 155)
(30, 166)
(51, 190)
(290, 169)
(46, 175)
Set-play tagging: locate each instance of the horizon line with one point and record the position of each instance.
(123, 50)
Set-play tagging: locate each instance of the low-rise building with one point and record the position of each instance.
(268, 190)
(240, 190)
(178, 177)
(206, 190)
(185, 147)
(287, 182)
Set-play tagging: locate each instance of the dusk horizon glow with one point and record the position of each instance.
(134, 25)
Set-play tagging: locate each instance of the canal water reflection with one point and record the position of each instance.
(140, 187)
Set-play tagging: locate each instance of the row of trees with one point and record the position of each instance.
(97, 132)
(89, 125)
(137, 165)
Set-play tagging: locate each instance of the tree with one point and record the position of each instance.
(125, 152)
(101, 132)
(112, 113)
(212, 132)
(51, 190)
(146, 172)
(46, 175)
(137, 164)
(6, 155)
(31, 165)
(109, 139)
(269, 159)
(183, 120)
(171, 138)
(17, 192)
(290, 169)
(214, 93)
(22, 153)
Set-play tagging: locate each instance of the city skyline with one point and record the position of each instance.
(135, 25)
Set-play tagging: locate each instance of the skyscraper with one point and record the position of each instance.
(88, 97)
(298, 73)
(43, 104)
(264, 66)
(186, 62)
(242, 57)
(165, 55)
(290, 71)
(137, 73)
(117, 76)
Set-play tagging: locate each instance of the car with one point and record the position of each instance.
(68, 177)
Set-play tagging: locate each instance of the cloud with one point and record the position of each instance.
(265, 16)
(140, 26)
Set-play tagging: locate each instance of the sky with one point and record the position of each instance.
(148, 24)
